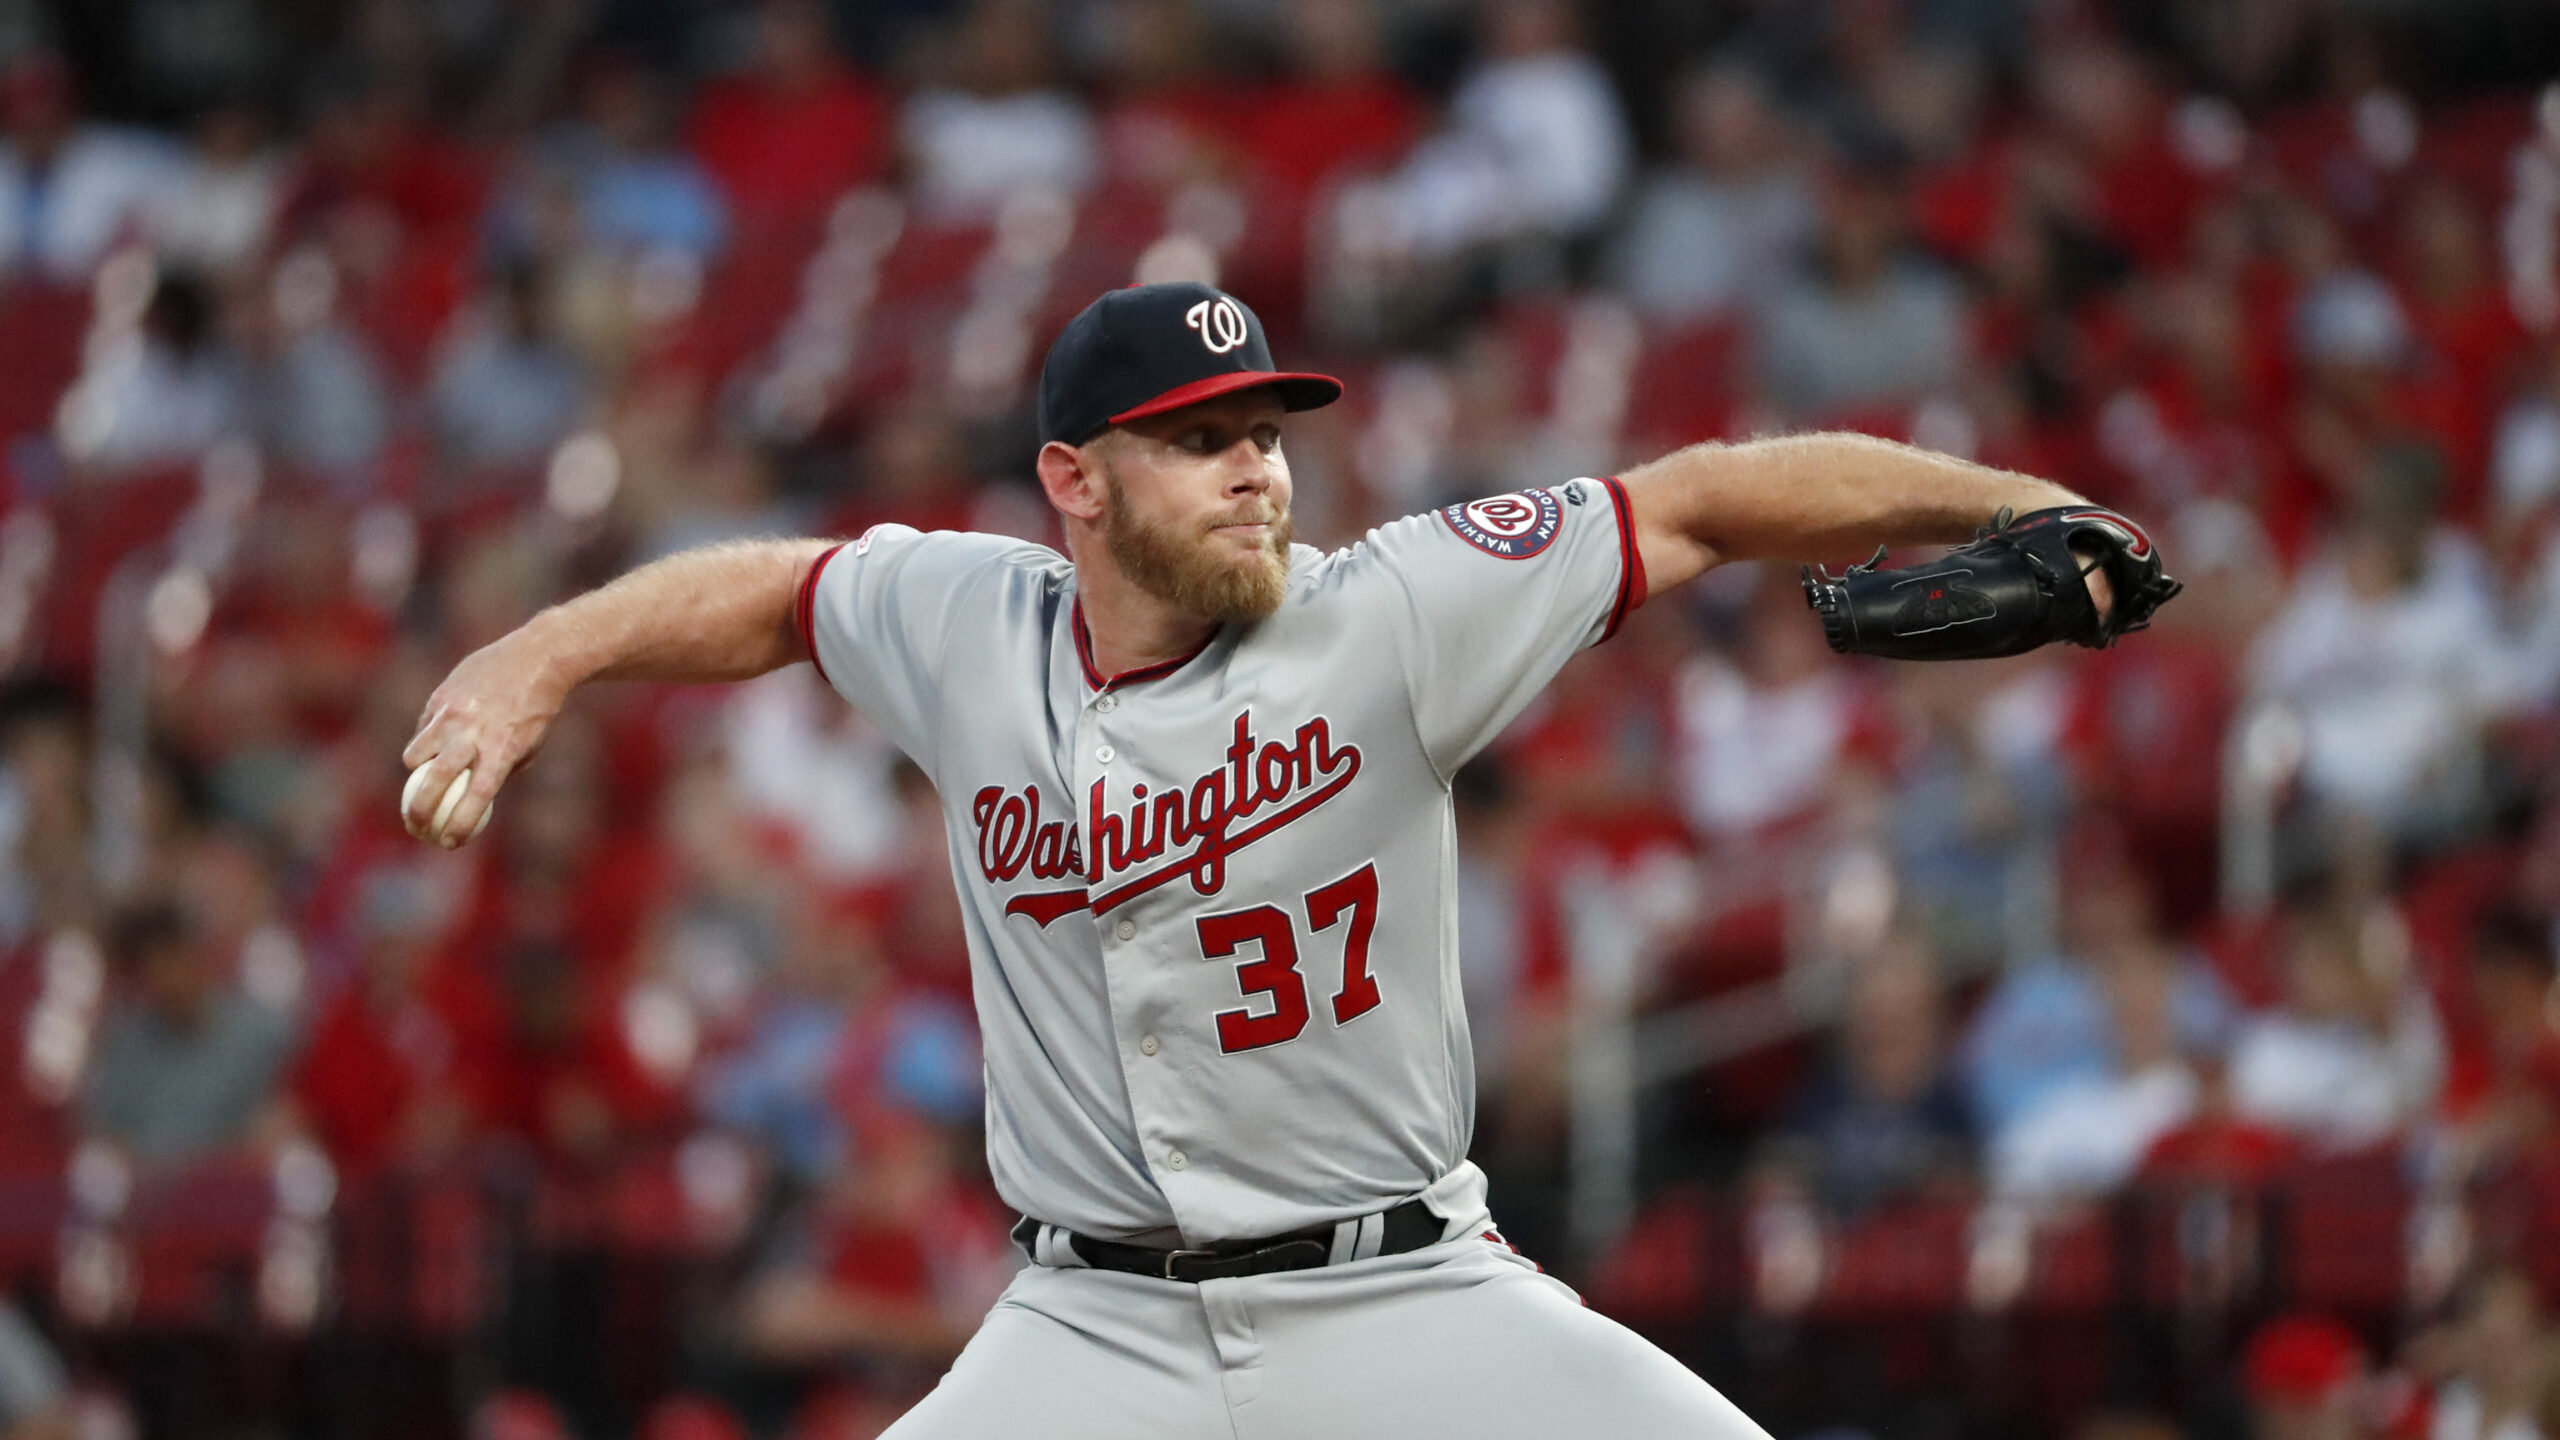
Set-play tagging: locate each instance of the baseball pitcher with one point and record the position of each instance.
(1196, 783)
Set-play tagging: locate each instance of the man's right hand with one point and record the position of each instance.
(485, 717)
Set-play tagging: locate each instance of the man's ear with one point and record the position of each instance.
(1072, 477)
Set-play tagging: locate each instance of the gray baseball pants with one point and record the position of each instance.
(1464, 1340)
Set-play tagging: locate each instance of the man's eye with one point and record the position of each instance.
(1266, 438)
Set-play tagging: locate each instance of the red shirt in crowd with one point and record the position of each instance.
(786, 153)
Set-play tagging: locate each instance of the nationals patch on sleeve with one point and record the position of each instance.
(1514, 526)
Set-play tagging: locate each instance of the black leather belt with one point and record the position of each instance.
(1409, 1226)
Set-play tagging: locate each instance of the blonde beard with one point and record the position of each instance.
(1183, 571)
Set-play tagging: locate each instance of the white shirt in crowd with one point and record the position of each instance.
(1749, 754)
(974, 152)
(2391, 691)
(2335, 1082)
(104, 185)
(1534, 144)
(2089, 1135)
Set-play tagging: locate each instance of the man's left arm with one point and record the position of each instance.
(1816, 497)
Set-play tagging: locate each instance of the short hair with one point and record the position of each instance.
(2513, 936)
(140, 932)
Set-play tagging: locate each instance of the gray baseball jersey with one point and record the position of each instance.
(1211, 904)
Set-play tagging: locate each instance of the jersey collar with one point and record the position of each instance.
(1094, 677)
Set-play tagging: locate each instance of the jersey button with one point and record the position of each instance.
(1105, 754)
(1107, 704)
(1128, 930)
(1177, 1160)
(1147, 1045)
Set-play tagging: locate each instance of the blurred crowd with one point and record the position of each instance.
(343, 337)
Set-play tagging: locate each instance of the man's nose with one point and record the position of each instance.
(1248, 468)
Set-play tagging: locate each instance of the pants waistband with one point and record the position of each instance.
(1409, 1226)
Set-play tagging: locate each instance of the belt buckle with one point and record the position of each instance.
(1171, 1256)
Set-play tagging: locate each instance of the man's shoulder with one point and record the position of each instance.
(958, 553)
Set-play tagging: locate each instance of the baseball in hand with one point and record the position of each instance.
(444, 808)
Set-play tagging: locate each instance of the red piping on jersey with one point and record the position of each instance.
(804, 610)
(1631, 582)
(1095, 678)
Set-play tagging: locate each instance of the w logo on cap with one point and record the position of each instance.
(1220, 323)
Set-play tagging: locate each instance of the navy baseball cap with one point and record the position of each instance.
(1152, 348)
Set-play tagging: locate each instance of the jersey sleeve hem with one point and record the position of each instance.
(1631, 581)
(804, 609)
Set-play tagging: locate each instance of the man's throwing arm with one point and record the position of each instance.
(720, 613)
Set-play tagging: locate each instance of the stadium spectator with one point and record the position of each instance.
(915, 471)
(729, 494)
(2305, 1379)
(322, 396)
(2460, 316)
(888, 1272)
(797, 129)
(388, 1077)
(2103, 164)
(2087, 1136)
(818, 777)
(1765, 727)
(1867, 326)
(506, 391)
(1163, 123)
(2525, 465)
(44, 765)
(999, 126)
(2387, 650)
(1723, 226)
(2060, 1022)
(35, 1390)
(624, 190)
(70, 189)
(2291, 333)
(395, 202)
(2502, 1363)
(219, 208)
(1506, 1022)
(565, 1074)
(1885, 1120)
(779, 1083)
(2502, 1092)
(164, 395)
(1535, 145)
(187, 1064)
(2354, 1054)
(1975, 801)
(2219, 1149)
(1336, 108)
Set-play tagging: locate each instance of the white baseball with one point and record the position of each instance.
(445, 807)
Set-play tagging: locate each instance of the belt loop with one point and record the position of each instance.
(1346, 1238)
(1373, 1233)
(1058, 1249)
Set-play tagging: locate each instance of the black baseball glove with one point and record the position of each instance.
(2020, 584)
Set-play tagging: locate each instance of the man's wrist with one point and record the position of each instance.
(555, 650)
(2036, 495)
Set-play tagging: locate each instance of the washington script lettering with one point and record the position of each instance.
(1198, 823)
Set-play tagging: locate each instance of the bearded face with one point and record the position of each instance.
(1185, 566)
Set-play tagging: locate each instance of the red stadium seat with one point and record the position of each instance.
(196, 1237)
(1684, 389)
(2342, 1234)
(97, 524)
(44, 324)
(2073, 1268)
(1902, 1261)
